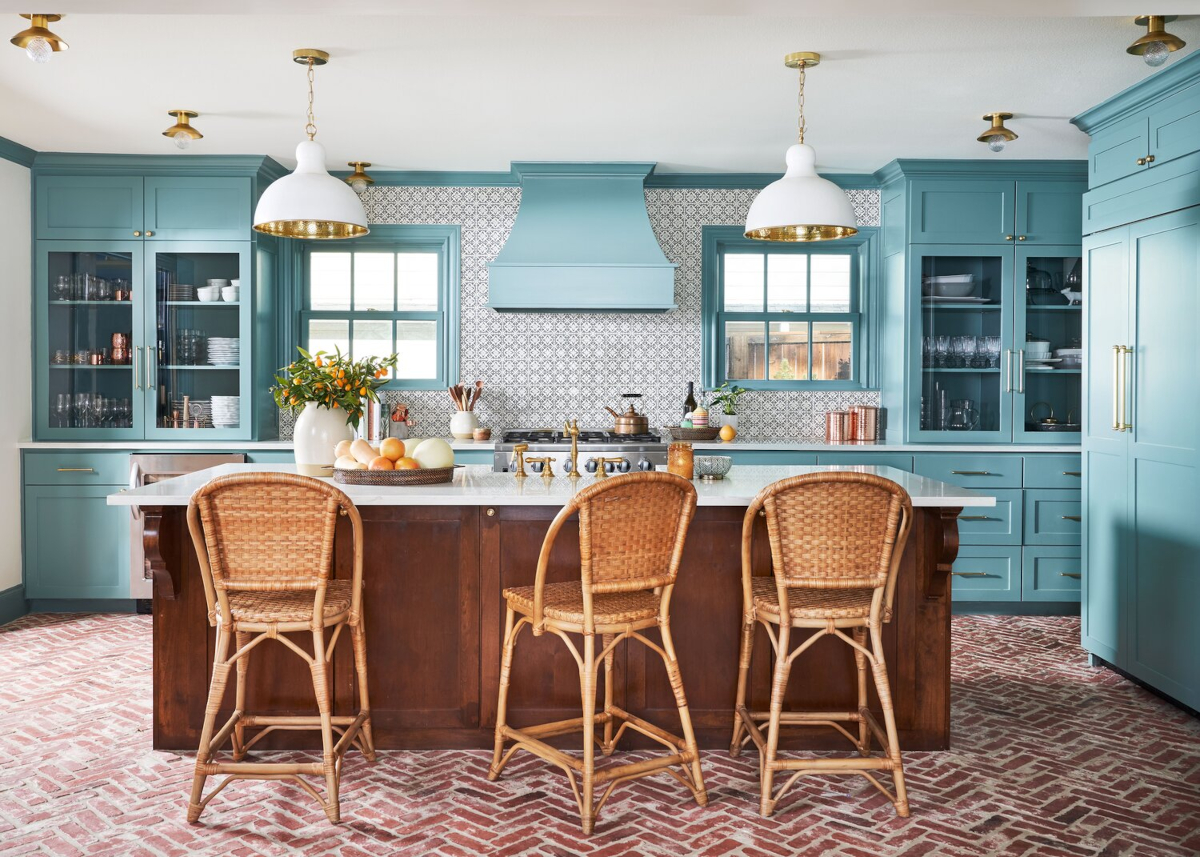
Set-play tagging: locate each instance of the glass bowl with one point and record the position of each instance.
(712, 467)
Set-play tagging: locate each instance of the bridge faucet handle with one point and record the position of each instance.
(519, 451)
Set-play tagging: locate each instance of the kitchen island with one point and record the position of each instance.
(436, 560)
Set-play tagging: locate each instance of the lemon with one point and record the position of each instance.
(728, 433)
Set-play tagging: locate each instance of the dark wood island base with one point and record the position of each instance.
(434, 619)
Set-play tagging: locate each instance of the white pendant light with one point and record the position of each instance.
(309, 202)
(801, 206)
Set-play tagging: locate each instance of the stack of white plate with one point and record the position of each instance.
(224, 351)
(226, 411)
(181, 292)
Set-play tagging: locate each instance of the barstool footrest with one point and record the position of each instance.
(834, 766)
(263, 769)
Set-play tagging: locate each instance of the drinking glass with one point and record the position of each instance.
(968, 349)
(61, 357)
(927, 351)
(82, 411)
(942, 351)
(124, 414)
(993, 352)
(62, 288)
(97, 406)
(62, 410)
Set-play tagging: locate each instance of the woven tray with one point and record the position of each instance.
(424, 476)
(678, 433)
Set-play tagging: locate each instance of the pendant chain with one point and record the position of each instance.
(311, 127)
(800, 106)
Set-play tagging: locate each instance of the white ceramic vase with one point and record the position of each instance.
(728, 420)
(463, 424)
(318, 430)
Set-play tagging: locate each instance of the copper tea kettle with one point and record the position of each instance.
(630, 422)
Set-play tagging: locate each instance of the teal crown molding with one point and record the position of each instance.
(979, 168)
(436, 178)
(1179, 74)
(15, 152)
(80, 163)
(751, 181)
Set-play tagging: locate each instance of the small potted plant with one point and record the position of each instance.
(328, 394)
(726, 397)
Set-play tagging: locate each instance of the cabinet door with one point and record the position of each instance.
(97, 208)
(1164, 581)
(1106, 535)
(1175, 127)
(1051, 574)
(1052, 516)
(961, 212)
(85, 293)
(1114, 153)
(76, 546)
(1049, 212)
(197, 209)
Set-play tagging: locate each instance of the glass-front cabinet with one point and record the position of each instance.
(142, 339)
(997, 343)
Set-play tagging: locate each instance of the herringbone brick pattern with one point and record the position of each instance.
(1051, 758)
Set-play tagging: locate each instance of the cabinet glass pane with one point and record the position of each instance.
(90, 331)
(329, 281)
(788, 352)
(416, 349)
(417, 282)
(197, 376)
(1053, 343)
(787, 282)
(374, 282)
(744, 283)
(745, 346)
(961, 332)
(832, 351)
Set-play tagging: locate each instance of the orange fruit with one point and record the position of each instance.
(381, 463)
(392, 448)
(406, 463)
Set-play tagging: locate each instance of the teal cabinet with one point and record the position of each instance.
(1051, 573)
(1053, 471)
(76, 546)
(1049, 212)
(95, 208)
(486, 456)
(197, 209)
(271, 457)
(76, 467)
(1053, 517)
(961, 211)
(1174, 127)
(1000, 525)
(900, 461)
(971, 470)
(986, 574)
(1118, 152)
(762, 456)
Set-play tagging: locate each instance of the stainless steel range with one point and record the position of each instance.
(624, 452)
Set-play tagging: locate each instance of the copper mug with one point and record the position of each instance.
(120, 348)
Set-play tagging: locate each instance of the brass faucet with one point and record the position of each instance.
(519, 451)
(601, 473)
(572, 428)
(548, 465)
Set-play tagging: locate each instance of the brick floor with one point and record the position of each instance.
(1051, 758)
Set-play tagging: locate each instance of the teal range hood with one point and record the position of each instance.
(581, 242)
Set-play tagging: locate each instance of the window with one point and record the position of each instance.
(782, 316)
(393, 290)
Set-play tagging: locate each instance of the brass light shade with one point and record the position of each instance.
(359, 180)
(997, 135)
(1157, 44)
(182, 132)
(38, 30)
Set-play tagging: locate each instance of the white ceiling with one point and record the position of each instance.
(695, 86)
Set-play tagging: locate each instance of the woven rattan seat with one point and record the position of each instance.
(836, 542)
(631, 533)
(815, 603)
(279, 607)
(564, 601)
(264, 542)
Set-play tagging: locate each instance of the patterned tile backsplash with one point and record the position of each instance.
(539, 368)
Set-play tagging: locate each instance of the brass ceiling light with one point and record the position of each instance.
(359, 180)
(182, 131)
(39, 43)
(1157, 44)
(997, 135)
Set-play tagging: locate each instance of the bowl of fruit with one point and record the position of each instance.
(416, 461)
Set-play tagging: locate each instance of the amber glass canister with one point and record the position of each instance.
(679, 459)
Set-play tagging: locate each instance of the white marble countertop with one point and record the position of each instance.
(204, 445)
(477, 485)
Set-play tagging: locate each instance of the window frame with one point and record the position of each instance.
(719, 241)
(396, 238)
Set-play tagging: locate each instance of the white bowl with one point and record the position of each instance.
(218, 283)
(949, 285)
(230, 294)
(208, 294)
(235, 283)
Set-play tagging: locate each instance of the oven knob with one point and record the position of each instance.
(609, 467)
(590, 465)
(645, 464)
(624, 466)
(538, 466)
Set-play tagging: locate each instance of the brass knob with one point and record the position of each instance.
(1019, 237)
(137, 233)
(1149, 159)
(491, 513)
(1008, 238)
(1141, 162)
(149, 233)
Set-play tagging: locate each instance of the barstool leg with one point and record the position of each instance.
(320, 680)
(243, 665)
(883, 688)
(747, 647)
(778, 688)
(587, 681)
(216, 693)
(358, 638)
(607, 747)
(685, 717)
(860, 661)
(506, 658)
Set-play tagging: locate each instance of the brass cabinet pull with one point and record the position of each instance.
(1019, 237)
(137, 377)
(974, 518)
(1008, 238)
(149, 234)
(1071, 517)
(1071, 473)
(137, 233)
(1126, 352)
(970, 574)
(1020, 370)
(1149, 159)
(76, 470)
(491, 513)
(151, 371)
(971, 472)
(1006, 371)
(1116, 388)
(1074, 574)
(1141, 162)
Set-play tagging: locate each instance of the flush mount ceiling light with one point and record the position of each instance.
(359, 181)
(309, 202)
(997, 135)
(1157, 44)
(801, 206)
(39, 43)
(182, 132)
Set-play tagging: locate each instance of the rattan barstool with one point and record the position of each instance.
(631, 535)
(265, 545)
(836, 541)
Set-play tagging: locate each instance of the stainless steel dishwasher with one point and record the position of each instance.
(146, 470)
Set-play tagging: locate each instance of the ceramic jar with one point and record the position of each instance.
(463, 424)
(318, 431)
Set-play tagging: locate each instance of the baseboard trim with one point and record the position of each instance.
(1015, 608)
(1099, 662)
(82, 605)
(13, 604)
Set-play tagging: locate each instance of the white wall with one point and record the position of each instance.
(16, 334)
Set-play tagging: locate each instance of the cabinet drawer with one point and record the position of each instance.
(280, 457)
(971, 471)
(872, 459)
(1052, 517)
(1054, 471)
(76, 467)
(986, 574)
(998, 526)
(1051, 574)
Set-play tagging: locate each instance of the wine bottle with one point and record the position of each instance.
(689, 404)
